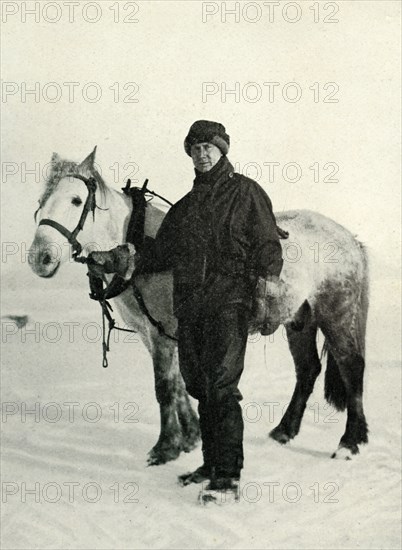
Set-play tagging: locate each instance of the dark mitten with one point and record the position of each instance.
(266, 304)
(119, 260)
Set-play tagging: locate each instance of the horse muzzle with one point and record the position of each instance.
(44, 261)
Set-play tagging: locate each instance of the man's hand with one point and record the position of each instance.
(119, 260)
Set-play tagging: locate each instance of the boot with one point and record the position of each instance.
(199, 475)
(205, 471)
(220, 491)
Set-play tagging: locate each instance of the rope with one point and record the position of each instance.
(106, 308)
(159, 197)
(152, 320)
(265, 353)
(112, 326)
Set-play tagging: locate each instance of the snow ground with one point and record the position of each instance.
(291, 497)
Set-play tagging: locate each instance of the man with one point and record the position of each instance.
(222, 244)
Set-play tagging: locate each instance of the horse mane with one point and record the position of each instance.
(62, 168)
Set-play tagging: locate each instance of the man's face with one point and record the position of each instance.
(205, 156)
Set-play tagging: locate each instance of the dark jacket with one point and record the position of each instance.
(217, 240)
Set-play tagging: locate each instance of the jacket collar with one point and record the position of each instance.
(219, 173)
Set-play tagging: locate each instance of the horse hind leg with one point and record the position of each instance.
(303, 346)
(344, 389)
(342, 317)
(344, 329)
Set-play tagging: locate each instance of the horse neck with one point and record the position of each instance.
(119, 209)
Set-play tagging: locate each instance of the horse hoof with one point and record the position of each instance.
(189, 446)
(279, 436)
(155, 460)
(161, 456)
(191, 439)
(345, 453)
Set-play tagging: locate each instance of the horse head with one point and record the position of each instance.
(60, 214)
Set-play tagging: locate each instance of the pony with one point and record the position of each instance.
(325, 286)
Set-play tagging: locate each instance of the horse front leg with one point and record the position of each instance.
(188, 418)
(170, 441)
(179, 428)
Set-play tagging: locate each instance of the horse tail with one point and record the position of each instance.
(334, 387)
(363, 304)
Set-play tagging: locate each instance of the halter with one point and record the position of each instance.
(89, 206)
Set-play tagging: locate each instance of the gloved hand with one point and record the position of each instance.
(118, 260)
(266, 311)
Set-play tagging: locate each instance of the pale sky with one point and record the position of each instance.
(169, 53)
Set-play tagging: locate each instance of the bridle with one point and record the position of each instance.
(89, 206)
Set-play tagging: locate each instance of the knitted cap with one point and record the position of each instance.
(206, 131)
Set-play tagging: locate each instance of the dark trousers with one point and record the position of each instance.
(212, 346)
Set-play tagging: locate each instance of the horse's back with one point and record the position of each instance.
(320, 257)
(313, 224)
(317, 239)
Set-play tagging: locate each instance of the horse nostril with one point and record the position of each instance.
(46, 259)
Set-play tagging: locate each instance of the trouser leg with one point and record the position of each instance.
(191, 342)
(211, 355)
(224, 346)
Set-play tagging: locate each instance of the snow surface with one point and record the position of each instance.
(337, 503)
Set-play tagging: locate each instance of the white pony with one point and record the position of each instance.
(325, 279)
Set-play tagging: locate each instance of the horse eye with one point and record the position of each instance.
(76, 201)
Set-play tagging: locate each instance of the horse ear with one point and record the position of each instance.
(55, 159)
(89, 162)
